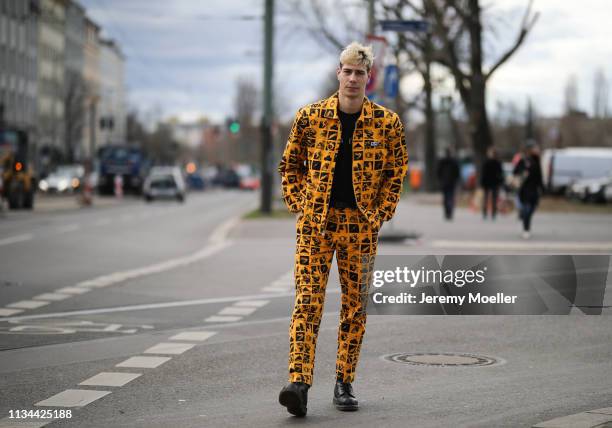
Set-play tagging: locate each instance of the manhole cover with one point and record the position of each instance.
(441, 360)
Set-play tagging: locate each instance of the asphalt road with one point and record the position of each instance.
(207, 298)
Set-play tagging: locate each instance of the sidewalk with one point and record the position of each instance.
(420, 214)
(52, 203)
(558, 232)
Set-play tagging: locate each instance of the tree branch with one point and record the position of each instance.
(526, 26)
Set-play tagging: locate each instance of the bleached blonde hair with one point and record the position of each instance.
(357, 54)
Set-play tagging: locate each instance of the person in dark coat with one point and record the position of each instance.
(529, 172)
(491, 179)
(448, 177)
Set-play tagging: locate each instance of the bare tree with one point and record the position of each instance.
(456, 42)
(600, 95)
(459, 34)
(74, 114)
(246, 102)
(571, 95)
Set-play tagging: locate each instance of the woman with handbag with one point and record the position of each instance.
(529, 174)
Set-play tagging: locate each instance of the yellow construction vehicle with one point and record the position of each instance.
(18, 182)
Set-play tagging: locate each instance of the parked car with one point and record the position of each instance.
(562, 167)
(590, 190)
(165, 183)
(195, 181)
(65, 179)
(228, 178)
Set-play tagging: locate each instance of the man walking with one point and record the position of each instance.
(448, 176)
(491, 178)
(342, 170)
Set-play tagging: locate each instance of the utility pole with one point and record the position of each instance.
(268, 111)
(371, 17)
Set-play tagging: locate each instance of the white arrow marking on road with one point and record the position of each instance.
(15, 239)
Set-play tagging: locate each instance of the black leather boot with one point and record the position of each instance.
(344, 398)
(295, 398)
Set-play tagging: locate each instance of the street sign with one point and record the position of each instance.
(391, 80)
(413, 25)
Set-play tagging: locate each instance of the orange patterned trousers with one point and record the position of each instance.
(354, 240)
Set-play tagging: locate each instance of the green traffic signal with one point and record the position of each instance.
(234, 127)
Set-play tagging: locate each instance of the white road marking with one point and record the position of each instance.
(72, 290)
(524, 245)
(52, 296)
(172, 348)
(110, 379)
(8, 312)
(144, 362)
(217, 242)
(218, 318)
(117, 277)
(68, 228)
(198, 336)
(73, 398)
(15, 239)
(96, 282)
(162, 305)
(27, 304)
(252, 303)
(233, 310)
(220, 234)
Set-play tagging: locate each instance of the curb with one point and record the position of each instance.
(601, 418)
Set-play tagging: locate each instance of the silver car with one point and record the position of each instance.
(165, 183)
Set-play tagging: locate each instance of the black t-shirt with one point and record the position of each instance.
(342, 187)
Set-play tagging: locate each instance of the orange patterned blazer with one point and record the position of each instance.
(380, 161)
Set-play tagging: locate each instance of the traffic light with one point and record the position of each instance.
(234, 127)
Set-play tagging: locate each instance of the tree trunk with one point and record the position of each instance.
(430, 135)
(479, 121)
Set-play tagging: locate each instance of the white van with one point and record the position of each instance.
(562, 167)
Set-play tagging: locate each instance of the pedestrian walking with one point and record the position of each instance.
(492, 177)
(448, 177)
(118, 182)
(342, 171)
(529, 174)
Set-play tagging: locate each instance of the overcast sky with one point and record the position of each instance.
(184, 56)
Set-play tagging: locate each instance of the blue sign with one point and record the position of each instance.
(391, 81)
(413, 25)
